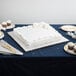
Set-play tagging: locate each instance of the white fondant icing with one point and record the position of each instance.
(37, 34)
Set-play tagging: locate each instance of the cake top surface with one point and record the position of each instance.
(36, 31)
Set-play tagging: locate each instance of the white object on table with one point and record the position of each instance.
(36, 36)
(68, 50)
(72, 34)
(1, 34)
(11, 26)
(6, 48)
(68, 28)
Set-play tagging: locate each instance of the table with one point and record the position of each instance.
(38, 62)
(51, 51)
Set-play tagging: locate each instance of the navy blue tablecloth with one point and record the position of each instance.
(51, 51)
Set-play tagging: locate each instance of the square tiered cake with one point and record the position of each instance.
(36, 36)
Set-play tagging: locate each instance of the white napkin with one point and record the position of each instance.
(25, 36)
(5, 48)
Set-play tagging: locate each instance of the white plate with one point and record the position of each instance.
(10, 27)
(6, 48)
(68, 51)
(68, 28)
(26, 48)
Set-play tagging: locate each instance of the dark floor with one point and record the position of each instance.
(37, 66)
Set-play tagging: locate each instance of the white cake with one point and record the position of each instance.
(36, 36)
